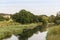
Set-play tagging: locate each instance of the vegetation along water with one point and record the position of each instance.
(24, 24)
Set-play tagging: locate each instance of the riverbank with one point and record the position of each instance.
(9, 28)
(54, 33)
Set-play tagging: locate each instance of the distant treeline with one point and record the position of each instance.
(25, 17)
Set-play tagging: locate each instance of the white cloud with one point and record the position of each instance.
(37, 7)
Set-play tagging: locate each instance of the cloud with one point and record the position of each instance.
(47, 7)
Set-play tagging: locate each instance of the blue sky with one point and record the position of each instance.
(47, 7)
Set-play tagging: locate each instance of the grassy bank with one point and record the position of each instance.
(9, 28)
(54, 33)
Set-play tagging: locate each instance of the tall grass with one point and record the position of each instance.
(9, 28)
(54, 33)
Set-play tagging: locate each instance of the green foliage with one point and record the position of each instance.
(2, 18)
(8, 30)
(54, 33)
(23, 17)
(51, 19)
(43, 19)
(57, 19)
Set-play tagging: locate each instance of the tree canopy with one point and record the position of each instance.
(2, 18)
(24, 16)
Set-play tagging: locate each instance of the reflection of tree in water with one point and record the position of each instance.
(29, 32)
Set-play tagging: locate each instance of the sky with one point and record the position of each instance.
(37, 7)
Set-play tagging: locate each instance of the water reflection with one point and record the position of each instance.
(27, 33)
(13, 37)
(39, 36)
(38, 33)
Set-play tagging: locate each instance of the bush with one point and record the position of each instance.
(2, 18)
(24, 17)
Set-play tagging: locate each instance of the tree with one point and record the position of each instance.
(57, 18)
(51, 19)
(2, 18)
(23, 17)
(43, 19)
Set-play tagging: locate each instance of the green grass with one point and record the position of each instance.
(8, 28)
(54, 33)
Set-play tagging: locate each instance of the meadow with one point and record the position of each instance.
(54, 33)
(8, 28)
(24, 19)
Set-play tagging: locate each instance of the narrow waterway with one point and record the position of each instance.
(36, 36)
(38, 33)
(39, 36)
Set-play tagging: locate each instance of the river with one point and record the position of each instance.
(34, 34)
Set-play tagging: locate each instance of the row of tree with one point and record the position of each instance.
(25, 17)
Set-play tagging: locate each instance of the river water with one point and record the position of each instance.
(36, 36)
(38, 33)
(39, 36)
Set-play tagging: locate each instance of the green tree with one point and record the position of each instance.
(57, 18)
(43, 19)
(2, 18)
(51, 19)
(23, 17)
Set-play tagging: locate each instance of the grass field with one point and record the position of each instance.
(54, 33)
(8, 28)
